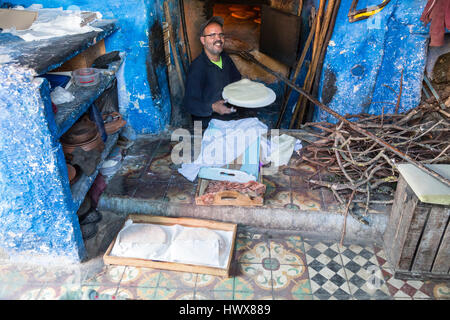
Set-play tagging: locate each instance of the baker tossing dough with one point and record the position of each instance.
(247, 93)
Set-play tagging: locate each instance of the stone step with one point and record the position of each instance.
(313, 224)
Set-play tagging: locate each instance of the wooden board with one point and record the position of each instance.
(412, 237)
(430, 240)
(442, 261)
(19, 19)
(400, 218)
(84, 59)
(227, 197)
(174, 266)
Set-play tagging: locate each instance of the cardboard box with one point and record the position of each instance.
(85, 58)
(20, 19)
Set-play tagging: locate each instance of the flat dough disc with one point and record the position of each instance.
(142, 233)
(202, 234)
(248, 94)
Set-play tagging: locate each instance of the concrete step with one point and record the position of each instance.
(314, 224)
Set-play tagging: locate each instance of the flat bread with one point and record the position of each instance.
(143, 233)
(248, 93)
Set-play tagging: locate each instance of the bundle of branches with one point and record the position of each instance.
(359, 169)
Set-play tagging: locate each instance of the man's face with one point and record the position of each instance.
(211, 39)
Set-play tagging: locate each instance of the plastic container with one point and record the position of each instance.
(86, 77)
(110, 167)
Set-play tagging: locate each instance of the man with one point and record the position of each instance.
(208, 74)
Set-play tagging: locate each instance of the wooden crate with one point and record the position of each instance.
(174, 266)
(417, 237)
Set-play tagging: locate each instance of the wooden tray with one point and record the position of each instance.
(175, 266)
(226, 197)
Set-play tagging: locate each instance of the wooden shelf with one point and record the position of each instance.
(48, 54)
(69, 113)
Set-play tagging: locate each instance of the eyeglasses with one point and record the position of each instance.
(213, 35)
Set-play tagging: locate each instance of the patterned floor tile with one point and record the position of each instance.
(365, 278)
(181, 192)
(291, 282)
(329, 201)
(22, 291)
(122, 185)
(160, 169)
(246, 288)
(407, 288)
(143, 293)
(152, 190)
(173, 294)
(253, 278)
(329, 297)
(109, 276)
(245, 233)
(143, 146)
(251, 251)
(277, 177)
(441, 290)
(307, 199)
(277, 199)
(206, 282)
(133, 166)
(326, 271)
(381, 258)
(299, 173)
(136, 293)
(140, 277)
(177, 280)
(287, 252)
(60, 292)
(98, 292)
(213, 295)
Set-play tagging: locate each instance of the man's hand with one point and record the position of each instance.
(220, 108)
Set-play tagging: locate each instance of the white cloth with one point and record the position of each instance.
(52, 22)
(281, 148)
(223, 142)
(60, 95)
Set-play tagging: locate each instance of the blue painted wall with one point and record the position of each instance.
(145, 105)
(37, 215)
(365, 56)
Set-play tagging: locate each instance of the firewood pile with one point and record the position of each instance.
(358, 169)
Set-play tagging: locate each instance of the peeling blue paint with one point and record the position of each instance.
(365, 56)
(36, 212)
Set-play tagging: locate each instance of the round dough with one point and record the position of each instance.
(143, 233)
(202, 234)
(247, 93)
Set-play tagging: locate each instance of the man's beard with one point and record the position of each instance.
(213, 49)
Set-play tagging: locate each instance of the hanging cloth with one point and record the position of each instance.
(438, 12)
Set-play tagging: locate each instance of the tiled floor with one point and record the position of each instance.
(148, 173)
(265, 266)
